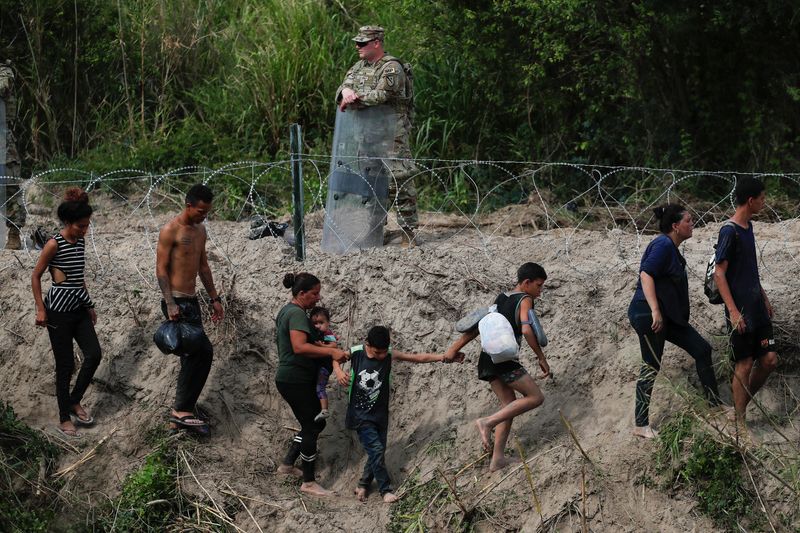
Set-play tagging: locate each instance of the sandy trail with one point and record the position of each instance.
(419, 294)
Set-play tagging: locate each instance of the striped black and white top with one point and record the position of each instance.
(70, 294)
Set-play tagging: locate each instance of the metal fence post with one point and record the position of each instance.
(296, 144)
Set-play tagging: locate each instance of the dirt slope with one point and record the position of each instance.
(419, 293)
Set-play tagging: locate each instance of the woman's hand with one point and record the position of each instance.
(339, 356)
(93, 315)
(658, 322)
(41, 318)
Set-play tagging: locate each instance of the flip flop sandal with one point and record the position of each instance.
(86, 422)
(198, 425)
(471, 320)
(68, 433)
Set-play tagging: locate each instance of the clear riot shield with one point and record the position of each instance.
(358, 184)
(3, 181)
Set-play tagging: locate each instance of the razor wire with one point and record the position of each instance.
(457, 206)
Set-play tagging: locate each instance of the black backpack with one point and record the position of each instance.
(709, 284)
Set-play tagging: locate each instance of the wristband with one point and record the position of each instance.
(214, 299)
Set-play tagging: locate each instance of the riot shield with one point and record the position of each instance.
(3, 181)
(358, 183)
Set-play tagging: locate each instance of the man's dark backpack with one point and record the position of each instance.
(709, 284)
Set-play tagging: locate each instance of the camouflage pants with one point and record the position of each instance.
(403, 196)
(14, 209)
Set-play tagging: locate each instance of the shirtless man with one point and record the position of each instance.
(180, 258)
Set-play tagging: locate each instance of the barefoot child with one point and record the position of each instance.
(510, 377)
(321, 318)
(368, 410)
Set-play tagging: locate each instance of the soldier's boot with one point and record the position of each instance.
(13, 241)
(410, 238)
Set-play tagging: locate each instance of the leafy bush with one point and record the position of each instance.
(148, 501)
(154, 85)
(712, 470)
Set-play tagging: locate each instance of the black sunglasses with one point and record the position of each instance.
(363, 44)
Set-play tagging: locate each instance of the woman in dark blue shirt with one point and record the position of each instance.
(659, 312)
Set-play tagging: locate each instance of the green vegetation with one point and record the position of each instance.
(408, 514)
(149, 498)
(155, 85)
(26, 462)
(691, 458)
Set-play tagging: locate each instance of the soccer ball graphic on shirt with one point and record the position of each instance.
(369, 382)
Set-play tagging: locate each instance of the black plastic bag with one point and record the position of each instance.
(168, 337)
(261, 227)
(192, 338)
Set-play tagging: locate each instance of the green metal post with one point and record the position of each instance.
(296, 145)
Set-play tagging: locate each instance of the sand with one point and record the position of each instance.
(419, 294)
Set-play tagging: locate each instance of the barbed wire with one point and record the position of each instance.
(474, 201)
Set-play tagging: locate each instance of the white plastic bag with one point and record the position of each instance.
(497, 337)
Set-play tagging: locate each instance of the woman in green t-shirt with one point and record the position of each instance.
(296, 377)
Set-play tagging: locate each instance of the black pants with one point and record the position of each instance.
(302, 398)
(63, 328)
(652, 346)
(195, 366)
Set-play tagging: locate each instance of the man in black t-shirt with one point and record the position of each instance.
(747, 309)
(368, 410)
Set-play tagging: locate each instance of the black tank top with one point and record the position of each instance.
(70, 294)
(508, 306)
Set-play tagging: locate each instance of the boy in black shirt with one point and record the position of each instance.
(368, 410)
(747, 309)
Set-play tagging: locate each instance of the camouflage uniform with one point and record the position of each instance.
(15, 212)
(388, 81)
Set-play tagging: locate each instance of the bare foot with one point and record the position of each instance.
(361, 494)
(290, 470)
(390, 497)
(486, 434)
(312, 488)
(645, 432)
(500, 463)
(743, 436)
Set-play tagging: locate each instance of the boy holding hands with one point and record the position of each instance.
(368, 410)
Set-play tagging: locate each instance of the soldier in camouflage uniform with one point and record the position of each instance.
(15, 212)
(377, 79)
